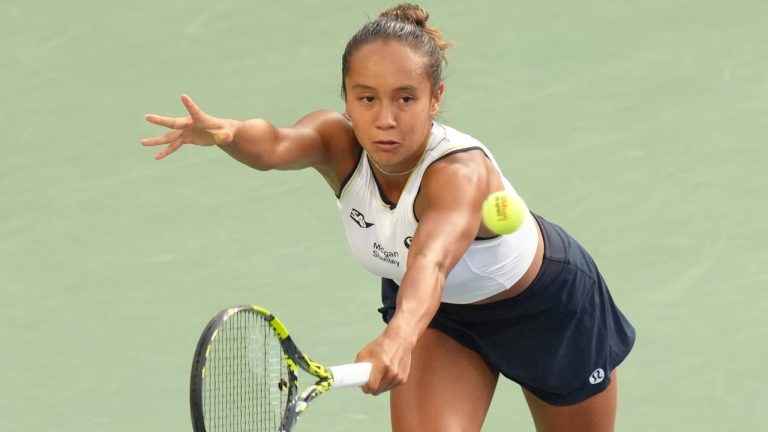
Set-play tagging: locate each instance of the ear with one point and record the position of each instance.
(437, 97)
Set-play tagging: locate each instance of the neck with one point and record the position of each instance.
(389, 173)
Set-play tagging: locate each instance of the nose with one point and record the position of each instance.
(385, 117)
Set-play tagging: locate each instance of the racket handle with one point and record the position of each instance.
(351, 375)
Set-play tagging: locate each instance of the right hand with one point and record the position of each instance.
(390, 358)
(197, 128)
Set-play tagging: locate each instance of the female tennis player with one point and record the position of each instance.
(461, 304)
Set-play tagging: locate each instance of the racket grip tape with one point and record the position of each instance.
(351, 375)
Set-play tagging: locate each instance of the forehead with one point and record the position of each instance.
(386, 64)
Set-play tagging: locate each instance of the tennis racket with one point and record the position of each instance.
(244, 374)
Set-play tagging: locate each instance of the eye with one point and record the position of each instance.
(407, 99)
(367, 99)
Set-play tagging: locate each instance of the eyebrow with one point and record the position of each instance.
(406, 87)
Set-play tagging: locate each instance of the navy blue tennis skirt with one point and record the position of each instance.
(559, 339)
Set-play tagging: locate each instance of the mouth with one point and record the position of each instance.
(386, 143)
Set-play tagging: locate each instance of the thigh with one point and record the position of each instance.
(596, 414)
(449, 388)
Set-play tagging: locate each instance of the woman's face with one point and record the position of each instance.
(391, 103)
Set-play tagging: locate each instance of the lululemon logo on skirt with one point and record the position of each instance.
(597, 376)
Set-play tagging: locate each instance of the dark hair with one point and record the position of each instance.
(406, 23)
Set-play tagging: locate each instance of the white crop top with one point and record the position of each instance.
(380, 234)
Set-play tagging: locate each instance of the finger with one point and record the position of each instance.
(169, 122)
(374, 384)
(166, 151)
(175, 145)
(162, 139)
(386, 382)
(198, 116)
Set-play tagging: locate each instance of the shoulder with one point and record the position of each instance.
(456, 136)
(451, 192)
(464, 166)
(327, 124)
(455, 153)
(461, 167)
(447, 141)
(334, 132)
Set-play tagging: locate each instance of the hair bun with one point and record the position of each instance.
(408, 12)
(405, 23)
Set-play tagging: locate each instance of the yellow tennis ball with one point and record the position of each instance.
(503, 212)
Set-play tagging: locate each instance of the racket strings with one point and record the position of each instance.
(244, 369)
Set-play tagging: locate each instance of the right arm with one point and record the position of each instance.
(322, 140)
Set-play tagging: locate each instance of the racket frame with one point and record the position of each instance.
(294, 360)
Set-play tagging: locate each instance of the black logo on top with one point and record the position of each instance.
(407, 242)
(359, 219)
